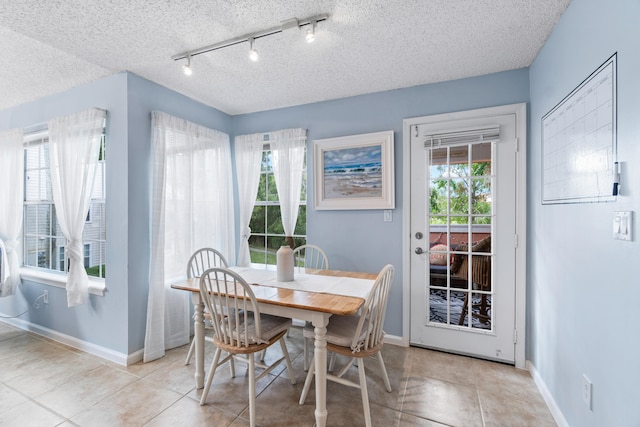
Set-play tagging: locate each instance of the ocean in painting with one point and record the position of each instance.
(353, 172)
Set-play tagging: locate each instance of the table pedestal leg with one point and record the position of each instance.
(198, 326)
(321, 370)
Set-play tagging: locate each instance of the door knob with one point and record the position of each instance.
(419, 251)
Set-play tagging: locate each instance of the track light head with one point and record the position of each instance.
(310, 35)
(253, 53)
(186, 68)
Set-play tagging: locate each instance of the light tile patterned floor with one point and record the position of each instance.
(44, 383)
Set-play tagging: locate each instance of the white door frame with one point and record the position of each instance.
(520, 110)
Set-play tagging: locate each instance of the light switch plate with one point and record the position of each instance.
(623, 225)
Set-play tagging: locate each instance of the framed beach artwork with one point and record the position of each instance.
(354, 172)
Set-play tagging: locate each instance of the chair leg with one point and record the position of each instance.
(306, 354)
(364, 393)
(232, 368)
(307, 382)
(262, 354)
(252, 391)
(287, 360)
(463, 313)
(385, 377)
(190, 353)
(192, 348)
(212, 372)
(332, 362)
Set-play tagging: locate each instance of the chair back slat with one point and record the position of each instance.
(373, 312)
(310, 256)
(204, 259)
(234, 308)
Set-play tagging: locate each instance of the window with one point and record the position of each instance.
(267, 232)
(43, 239)
(63, 261)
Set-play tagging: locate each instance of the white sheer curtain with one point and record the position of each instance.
(192, 207)
(11, 199)
(74, 146)
(287, 153)
(248, 151)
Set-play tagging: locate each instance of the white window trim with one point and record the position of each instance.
(97, 286)
(461, 228)
(266, 146)
(59, 280)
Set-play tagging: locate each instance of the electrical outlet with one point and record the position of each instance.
(587, 389)
(45, 297)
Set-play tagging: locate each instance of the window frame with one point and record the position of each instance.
(53, 276)
(270, 203)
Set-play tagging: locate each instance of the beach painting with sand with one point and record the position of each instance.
(353, 172)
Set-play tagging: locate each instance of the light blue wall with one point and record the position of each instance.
(583, 285)
(94, 322)
(143, 98)
(361, 240)
(116, 321)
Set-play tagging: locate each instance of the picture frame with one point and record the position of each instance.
(354, 172)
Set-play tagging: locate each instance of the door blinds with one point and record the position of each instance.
(463, 136)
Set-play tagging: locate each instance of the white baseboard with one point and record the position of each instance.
(546, 395)
(395, 340)
(96, 350)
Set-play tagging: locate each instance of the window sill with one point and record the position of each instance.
(96, 286)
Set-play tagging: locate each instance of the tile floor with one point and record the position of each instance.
(44, 383)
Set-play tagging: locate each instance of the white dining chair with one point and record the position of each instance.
(358, 336)
(309, 256)
(202, 260)
(242, 330)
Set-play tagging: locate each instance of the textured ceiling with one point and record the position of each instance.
(365, 46)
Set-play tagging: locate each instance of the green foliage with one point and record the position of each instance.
(267, 231)
(95, 271)
(454, 189)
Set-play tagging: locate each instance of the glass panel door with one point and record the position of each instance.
(463, 228)
(460, 212)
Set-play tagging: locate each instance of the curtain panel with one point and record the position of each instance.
(192, 207)
(287, 153)
(11, 205)
(248, 156)
(74, 146)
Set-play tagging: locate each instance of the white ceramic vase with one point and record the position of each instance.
(284, 264)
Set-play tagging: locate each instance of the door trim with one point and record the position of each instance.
(520, 111)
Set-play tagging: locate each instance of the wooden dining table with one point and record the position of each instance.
(314, 296)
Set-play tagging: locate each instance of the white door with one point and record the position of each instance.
(463, 234)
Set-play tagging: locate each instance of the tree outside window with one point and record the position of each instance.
(267, 232)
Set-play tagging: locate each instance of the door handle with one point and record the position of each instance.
(419, 250)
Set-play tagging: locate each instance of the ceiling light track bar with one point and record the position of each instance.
(244, 39)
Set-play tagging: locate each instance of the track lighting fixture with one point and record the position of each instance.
(310, 36)
(293, 23)
(187, 67)
(253, 53)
